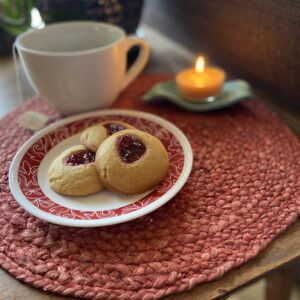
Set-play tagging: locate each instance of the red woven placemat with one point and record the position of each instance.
(243, 191)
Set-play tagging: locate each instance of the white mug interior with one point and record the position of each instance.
(70, 37)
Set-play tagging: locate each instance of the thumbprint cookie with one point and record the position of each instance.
(131, 162)
(73, 173)
(93, 136)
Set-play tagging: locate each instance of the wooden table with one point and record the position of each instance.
(275, 260)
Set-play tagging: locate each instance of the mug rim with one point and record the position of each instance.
(69, 53)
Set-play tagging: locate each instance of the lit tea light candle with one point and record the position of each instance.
(201, 82)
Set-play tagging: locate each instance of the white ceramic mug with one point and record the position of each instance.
(79, 66)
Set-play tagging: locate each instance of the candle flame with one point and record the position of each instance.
(200, 64)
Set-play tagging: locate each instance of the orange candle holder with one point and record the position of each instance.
(199, 83)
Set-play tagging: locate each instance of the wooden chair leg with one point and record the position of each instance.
(279, 283)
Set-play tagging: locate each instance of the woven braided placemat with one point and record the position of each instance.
(243, 191)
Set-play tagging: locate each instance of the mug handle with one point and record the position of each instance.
(141, 60)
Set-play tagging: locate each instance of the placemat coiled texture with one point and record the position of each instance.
(242, 192)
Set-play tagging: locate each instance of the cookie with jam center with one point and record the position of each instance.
(73, 173)
(132, 162)
(93, 136)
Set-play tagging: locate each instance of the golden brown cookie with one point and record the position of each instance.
(73, 173)
(93, 136)
(132, 162)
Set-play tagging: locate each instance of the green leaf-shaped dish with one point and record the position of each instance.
(233, 92)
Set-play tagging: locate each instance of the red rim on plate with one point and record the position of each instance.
(29, 191)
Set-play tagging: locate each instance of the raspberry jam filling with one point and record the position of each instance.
(113, 128)
(130, 148)
(80, 158)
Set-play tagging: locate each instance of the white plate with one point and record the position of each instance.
(28, 179)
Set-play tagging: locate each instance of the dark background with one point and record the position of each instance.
(258, 40)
